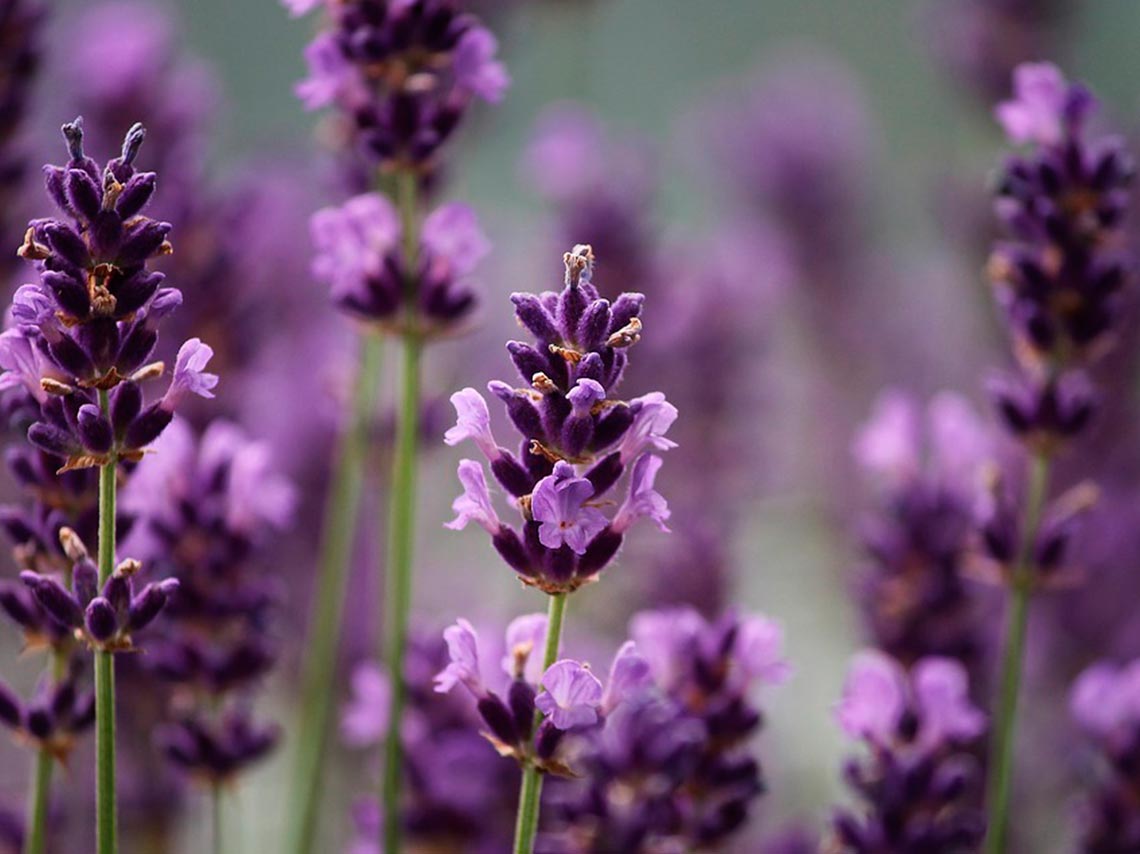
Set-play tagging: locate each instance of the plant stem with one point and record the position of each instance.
(35, 840)
(1001, 750)
(530, 792)
(105, 813)
(401, 520)
(342, 510)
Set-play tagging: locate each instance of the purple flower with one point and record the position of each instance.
(559, 505)
(476, 69)
(474, 505)
(874, 698)
(351, 241)
(300, 8)
(473, 422)
(654, 416)
(630, 674)
(1042, 105)
(1105, 701)
(332, 77)
(526, 641)
(760, 650)
(942, 695)
(889, 445)
(190, 376)
(463, 650)
(572, 695)
(451, 234)
(365, 718)
(643, 500)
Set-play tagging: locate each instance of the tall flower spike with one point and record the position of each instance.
(578, 438)
(918, 786)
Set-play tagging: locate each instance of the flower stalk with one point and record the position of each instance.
(340, 524)
(401, 519)
(1000, 768)
(530, 791)
(105, 807)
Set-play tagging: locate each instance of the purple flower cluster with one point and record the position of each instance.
(52, 720)
(577, 438)
(206, 509)
(918, 784)
(670, 766)
(459, 796)
(927, 472)
(20, 24)
(1105, 704)
(403, 72)
(89, 324)
(1061, 274)
(361, 256)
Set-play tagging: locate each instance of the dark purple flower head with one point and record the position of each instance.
(103, 617)
(92, 318)
(670, 767)
(927, 470)
(360, 254)
(578, 438)
(918, 784)
(1105, 703)
(217, 750)
(404, 73)
(1060, 275)
(51, 720)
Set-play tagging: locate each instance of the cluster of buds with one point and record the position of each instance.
(58, 713)
(577, 437)
(1105, 704)
(361, 255)
(670, 767)
(104, 619)
(89, 325)
(927, 469)
(918, 784)
(206, 508)
(403, 73)
(1062, 275)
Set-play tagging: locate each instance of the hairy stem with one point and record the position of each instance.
(342, 510)
(401, 521)
(1000, 770)
(530, 792)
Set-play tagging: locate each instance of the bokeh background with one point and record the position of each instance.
(905, 306)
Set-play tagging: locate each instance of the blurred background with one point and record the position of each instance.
(803, 184)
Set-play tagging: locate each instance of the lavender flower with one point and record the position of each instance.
(207, 508)
(360, 254)
(57, 714)
(578, 439)
(670, 767)
(1105, 703)
(404, 73)
(918, 783)
(927, 470)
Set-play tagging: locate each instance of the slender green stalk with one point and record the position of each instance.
(401, 519)
(530, 792)
(342, 512)
(1001, 749)
(35, 840)
(106, 821)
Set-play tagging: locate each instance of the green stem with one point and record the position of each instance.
(35, 841)
(530, 792)
(338, 534)
(1000, 771)
(105, 816)
(401, 522)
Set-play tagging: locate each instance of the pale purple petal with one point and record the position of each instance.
(1097, 703)
(889, 446)
(1036, 112)
(463, 650)
(476, 69)
(572, 695)
(474, 505)
(630, 674)
(558, 504)
(874, 698)
(332, 78)
(365, 718)
(526, 640)
(942, 693)
(299, 8)
(655, 415)
(643, 500)
(473, 422)
(585, 394)
(760, 650)
(352, 240)
(190, 376)
(451, 232)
